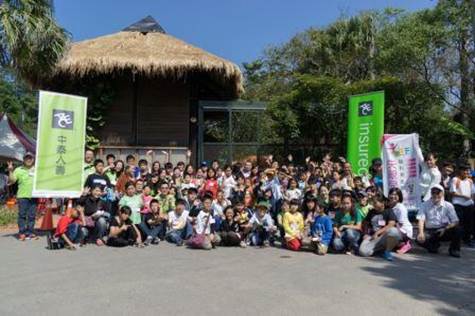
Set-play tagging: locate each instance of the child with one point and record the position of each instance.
(203, 223)
(347, 227)
(178, 224)
(293, 227)
(153, 224)
(68, 229)
(262, 226)
(230, 231)
(293, 192)
(280, 219)
(133, 201)
(321, 230)
(147, 198)
(122, 230)
(243, 215)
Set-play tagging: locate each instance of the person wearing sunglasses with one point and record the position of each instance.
(438, 221)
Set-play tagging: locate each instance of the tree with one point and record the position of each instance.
(307, 80)
(31, 43)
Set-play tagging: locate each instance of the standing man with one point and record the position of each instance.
(462, 191)
(88, 163)
(23, 175)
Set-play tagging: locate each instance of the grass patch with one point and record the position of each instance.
(8, 216)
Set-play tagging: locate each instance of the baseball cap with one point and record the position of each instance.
(263, 204)
(28, 154)
(204, 163)
(437, 187)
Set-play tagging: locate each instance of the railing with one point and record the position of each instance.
(150, 153)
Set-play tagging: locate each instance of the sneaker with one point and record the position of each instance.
(148, 241)
(454, 253)
(179, 243)
(155, 241)
(34, 237)
(22, 237)
(99, 242)
(265, 243)
(242, 244)
(405, 248)
(388, 255)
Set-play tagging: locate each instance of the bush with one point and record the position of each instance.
(8, 216)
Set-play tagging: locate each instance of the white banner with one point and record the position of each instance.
(402, 157)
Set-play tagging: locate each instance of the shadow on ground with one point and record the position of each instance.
(434, 278)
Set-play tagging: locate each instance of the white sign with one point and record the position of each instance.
(402, 157)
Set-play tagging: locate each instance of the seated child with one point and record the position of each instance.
(230, 230)
(243, 215)
(153, 224)
(178, 224)
(202, 226)
(262, 226)
(321, 231)
(293, 227)
(280, 219)
(68, 229)
(122, 231)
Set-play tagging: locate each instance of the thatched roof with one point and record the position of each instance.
(145, 48)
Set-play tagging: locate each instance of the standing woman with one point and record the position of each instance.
(403, 224)
(430, 175)
(23, 175)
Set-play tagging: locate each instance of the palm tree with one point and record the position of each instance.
(31, 42)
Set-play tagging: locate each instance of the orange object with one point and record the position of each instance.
(47, 223)
(11, 202)
(69, 208)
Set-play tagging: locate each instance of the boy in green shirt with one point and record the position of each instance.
(23, 175)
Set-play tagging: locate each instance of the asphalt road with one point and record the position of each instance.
(168, 280)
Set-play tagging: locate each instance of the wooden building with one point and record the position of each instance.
(159, 82)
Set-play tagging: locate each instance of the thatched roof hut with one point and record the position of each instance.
(158, 82)
(145, 48)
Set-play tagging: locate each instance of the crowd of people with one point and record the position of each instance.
(320, 206)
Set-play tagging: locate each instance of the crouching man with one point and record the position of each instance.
(438, 222)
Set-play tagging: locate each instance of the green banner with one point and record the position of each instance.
(60, 145)
(365, 130)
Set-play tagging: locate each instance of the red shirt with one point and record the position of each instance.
(63, 224)
(211, 185)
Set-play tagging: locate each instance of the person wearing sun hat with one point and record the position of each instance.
(438, 221)
(262, 225)
(23, 175)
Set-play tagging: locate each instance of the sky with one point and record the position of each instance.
(238, 30)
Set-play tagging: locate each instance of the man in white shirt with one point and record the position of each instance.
(178, 224)
(438, 222)
(462, 191)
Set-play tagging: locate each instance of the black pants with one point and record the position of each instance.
(124, 239)
(229, 239)
(432, 242)
(467, 220)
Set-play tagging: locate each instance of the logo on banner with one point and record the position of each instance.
(63, 119)
(365, 108)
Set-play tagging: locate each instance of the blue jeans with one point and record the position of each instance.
(152, 232)
(348, 240)
(99, 231)
(74, 233)
(258, 236)
(26, 216)
(178, 235)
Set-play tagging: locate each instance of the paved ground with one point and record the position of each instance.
(168, 280)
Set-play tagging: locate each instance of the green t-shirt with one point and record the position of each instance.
(24, 177)
(112, 177)
(347, 219)
(88, 169)
(167, 203)
(135, 203)
(362, 210)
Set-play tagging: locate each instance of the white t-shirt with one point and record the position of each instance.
(429, 178)
(405, 225)
(201, 221)
(228, 184)
(291, 194)
(464, 187)
(177, 222)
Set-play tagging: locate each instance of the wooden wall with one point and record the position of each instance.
(162, 116)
